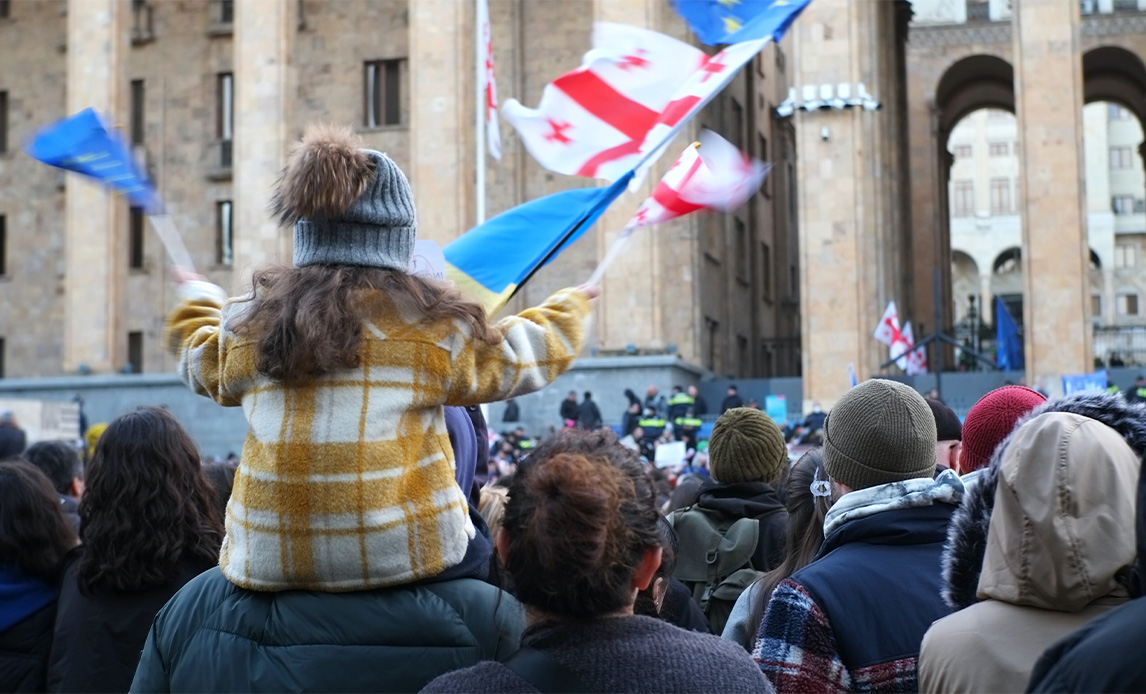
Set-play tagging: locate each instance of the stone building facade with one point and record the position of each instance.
(212, 92)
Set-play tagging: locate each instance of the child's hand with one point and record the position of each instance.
(590, 290)
(182, 274)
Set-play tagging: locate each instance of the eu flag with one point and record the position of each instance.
(1008, 346)
(83, 144)
(489, 262)
(734, 21)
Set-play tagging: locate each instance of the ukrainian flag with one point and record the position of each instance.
(733, 21)
(489, 262)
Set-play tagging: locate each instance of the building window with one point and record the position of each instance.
(143, 25)
(137, 112)
(1122, 204)
(3, 245)
(1096, 305)
(223, 239)
(5, 9)
(1127, 304)
(1121, 158)
(961, 151)
(1116, 112)
(742, 250)
(1001, 196)
(1125, 255)
(134, 353)
(766, 271)
(997, 114)
(225, 120)
(225, 10)
(963, 198)
(762, 154)
(736, 123)
(3, 370)
(135, 228)
(742, 356)
(997, 149)
(383, 105)
(3, 122)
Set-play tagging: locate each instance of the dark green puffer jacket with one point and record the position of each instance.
(216, 637)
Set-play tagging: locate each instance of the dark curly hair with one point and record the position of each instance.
(34, 535)
(146, 505)
(581, 515)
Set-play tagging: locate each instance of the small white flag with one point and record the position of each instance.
(489, 84)
(887, 331)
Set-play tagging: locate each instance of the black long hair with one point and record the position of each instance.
(34, 535)
(146, 505)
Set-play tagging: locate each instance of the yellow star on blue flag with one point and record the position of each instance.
(733, 21)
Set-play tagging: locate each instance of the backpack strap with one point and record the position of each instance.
(544, 672)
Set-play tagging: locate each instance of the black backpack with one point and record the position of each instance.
(715, 559)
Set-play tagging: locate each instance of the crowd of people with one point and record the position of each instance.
(375, 537)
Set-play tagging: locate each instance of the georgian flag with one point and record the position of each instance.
(710, 173)
(489, 85)
(593, 121)
(917, 360)
(887, 331)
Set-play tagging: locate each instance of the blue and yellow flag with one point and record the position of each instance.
(733, 21)
(489, 262)
(82, 143)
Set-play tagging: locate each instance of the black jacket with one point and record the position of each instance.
(216, 637)
(570, 411)
(589, 417)
(753, 500)
(730, 403)
(12, 441)
(1103, 656)
(512, 412)
(98, 637)
(27, 613)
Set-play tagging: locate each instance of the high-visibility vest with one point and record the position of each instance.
(1141, 393)
(654, 423)
(681, 399)
(1113, 389)
(689, 422)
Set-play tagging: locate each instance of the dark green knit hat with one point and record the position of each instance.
(746, 446)
(879, 432)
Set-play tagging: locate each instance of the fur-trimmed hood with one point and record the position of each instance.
(967, 534)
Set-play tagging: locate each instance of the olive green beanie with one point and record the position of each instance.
(746, 446)
(879, 432)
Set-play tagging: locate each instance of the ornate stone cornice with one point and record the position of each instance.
(959, 34)
(1116, 24)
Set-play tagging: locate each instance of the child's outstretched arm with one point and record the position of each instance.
(196, 338)
(540, 344)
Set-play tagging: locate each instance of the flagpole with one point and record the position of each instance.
(479, 112)
(611, 255)
(171, 240)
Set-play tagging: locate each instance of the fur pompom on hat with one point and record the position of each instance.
(348, 205)
(746, 446)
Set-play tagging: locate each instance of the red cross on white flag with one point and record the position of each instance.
(711, 173)
(493, 132)
(887, 331)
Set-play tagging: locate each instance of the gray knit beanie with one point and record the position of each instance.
(879, 432)
(746, 446)
(348, 205)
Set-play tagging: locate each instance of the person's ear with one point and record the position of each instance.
(77, 488)
(502, 543)
(650, 562)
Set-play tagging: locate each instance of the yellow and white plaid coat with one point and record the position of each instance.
(347, 483)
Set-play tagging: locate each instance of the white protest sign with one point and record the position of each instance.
(428, 261)
(670, 454)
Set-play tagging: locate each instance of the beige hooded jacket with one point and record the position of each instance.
(1061, 536)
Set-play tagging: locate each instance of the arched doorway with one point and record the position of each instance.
(1114, 82)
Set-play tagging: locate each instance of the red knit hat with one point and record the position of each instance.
(990, 420)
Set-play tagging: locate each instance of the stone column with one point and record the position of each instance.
(442, 117)
(1049, 100)
(847, 219)
(95, 219)
(264, 38)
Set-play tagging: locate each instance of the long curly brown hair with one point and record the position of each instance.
(308, 321)
(146, 506)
